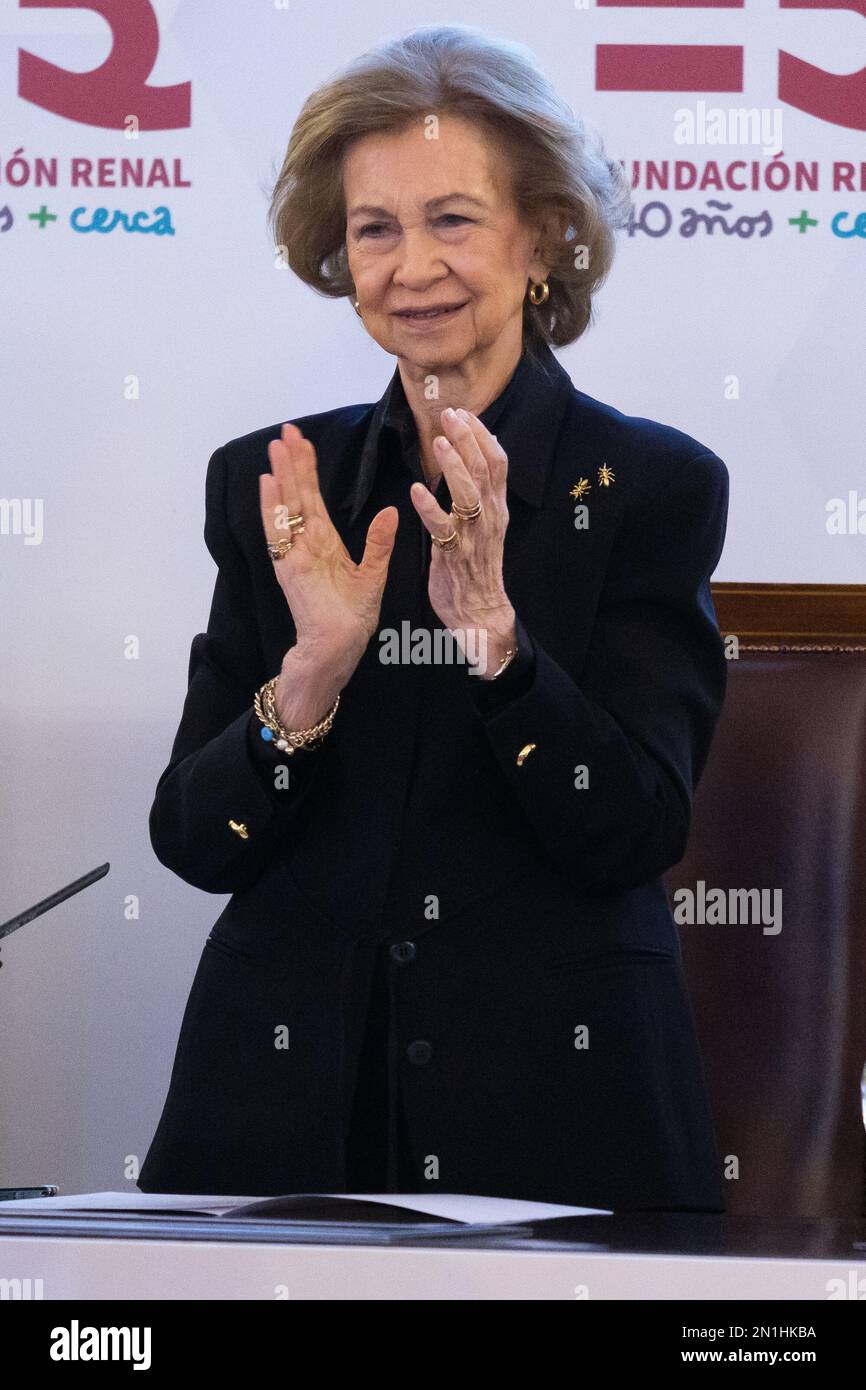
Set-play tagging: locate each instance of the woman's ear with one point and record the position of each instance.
(549, 233)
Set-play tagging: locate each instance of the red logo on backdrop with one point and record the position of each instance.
(110, 94)
(646, 67)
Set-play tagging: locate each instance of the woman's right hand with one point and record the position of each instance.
(334, 602)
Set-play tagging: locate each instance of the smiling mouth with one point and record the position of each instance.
(422, 315)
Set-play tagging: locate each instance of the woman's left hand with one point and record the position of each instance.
(466, 586)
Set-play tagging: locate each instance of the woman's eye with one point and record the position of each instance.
(375, 229)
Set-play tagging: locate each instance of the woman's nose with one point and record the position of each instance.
(419, 259)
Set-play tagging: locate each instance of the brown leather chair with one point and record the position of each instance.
(781, 1014)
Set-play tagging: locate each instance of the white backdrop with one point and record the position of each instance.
(129, 355)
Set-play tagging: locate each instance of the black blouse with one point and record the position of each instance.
(390, 461)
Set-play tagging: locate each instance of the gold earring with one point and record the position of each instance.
(545, 292)
(357, 309)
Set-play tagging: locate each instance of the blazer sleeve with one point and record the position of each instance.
(220, 770)
(641, 717)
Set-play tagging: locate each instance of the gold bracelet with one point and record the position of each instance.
(288, 740)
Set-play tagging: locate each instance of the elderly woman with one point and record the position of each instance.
(460, 678)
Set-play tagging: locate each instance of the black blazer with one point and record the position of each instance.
(513, 833)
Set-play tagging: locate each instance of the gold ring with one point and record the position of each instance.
(469, 514)
(277, 549)
(447, 542)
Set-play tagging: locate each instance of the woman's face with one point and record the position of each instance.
(427, 224)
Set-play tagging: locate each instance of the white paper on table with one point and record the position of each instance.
(470, 1209)
(129, 1202)
(456, 1206)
